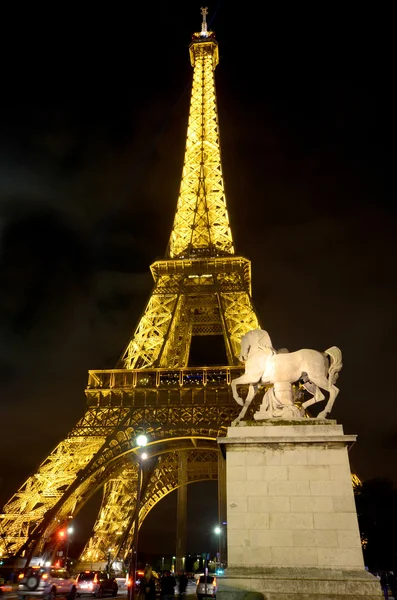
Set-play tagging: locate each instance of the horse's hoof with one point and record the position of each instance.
(239, 401)
(322, 415)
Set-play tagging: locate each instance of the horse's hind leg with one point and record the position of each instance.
(321, 383)
(313, 389)
(333, 392)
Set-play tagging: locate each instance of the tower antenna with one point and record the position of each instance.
(204, 12)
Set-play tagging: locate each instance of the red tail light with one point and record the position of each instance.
(44, 576)
(21, 575)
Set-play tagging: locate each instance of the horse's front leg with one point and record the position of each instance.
(237, 398)
(244, 379)
(251, 393)
(253, 388)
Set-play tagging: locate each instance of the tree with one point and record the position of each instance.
(376, 502)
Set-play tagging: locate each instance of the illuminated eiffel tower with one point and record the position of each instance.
(201, 288)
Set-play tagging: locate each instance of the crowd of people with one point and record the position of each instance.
(147, 587)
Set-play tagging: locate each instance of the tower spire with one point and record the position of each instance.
(201, 224)
(204, 12)
(201, 287)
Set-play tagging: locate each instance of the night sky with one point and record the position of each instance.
(94, 108)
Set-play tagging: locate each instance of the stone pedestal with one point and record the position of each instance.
(292, 526)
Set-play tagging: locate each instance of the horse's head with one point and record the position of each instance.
(256, 339)
(263, 340)
(243, 357)
(244, 348)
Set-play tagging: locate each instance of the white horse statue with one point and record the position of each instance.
(263, 365)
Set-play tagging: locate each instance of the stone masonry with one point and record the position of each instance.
(291, 518)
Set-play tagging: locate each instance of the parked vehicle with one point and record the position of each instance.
(206, 586)
(122, 584)
(5, 588)
(96, 583)
(47, 582)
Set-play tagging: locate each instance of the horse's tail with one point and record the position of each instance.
(336, 364)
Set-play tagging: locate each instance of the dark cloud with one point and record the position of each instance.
(93, 120)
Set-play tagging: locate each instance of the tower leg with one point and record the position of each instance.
(181, 516)
(222, 545)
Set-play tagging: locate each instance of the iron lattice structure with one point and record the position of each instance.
(201, 288)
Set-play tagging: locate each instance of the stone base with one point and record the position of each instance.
(294, 583)
(292, 531)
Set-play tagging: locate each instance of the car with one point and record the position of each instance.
(5, 588)
(96, 583)
(206, 586)
(122, 583)
(46, 582)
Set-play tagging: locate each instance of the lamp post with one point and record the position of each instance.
(141, 441)
(69, 531)
(218, 532)
(109, 563)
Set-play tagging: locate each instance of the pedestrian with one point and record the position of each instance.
(183, 581)
(168, 584)
(147, 585)
(393, 584)
(383, 584)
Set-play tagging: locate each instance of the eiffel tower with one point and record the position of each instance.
(201, 288)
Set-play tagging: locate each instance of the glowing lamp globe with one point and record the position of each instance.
(141, 440)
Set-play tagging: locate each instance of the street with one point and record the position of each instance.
(190, 593)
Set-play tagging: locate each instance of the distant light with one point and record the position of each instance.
(217, 530)
(70, 530)
(48, 563)
(143, 455)
(141, 440)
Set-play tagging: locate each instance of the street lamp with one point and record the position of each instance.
(218, 532)
(141, 441)
(69, 531)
